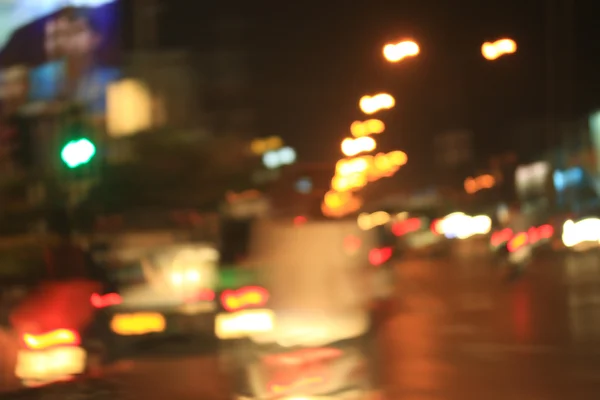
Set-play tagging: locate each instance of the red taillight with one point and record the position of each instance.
(202, 295)
(250, 296)
(540, 233)
(300, 220)
(500, 237)
(533, 235)
(379, 256)
(404, 227)
(546, 231)
(517, 242)
(435, 227)
(59, 337)
(107, 300)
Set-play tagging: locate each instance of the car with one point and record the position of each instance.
(48, 319)
(165, 291)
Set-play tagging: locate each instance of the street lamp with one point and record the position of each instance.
(378, 102)
(351, 147)
(368, 127)
(494, 50)
(473, 185)
(262, 146)
(277, 158)
(395, 52)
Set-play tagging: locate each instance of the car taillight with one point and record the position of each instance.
(107, 300)
(59, 337)
(517, 242)
(404, 227)
(435, 227)
(500, 237)
(379, 256)
(546, 231)
(300, 220)
(540, 233)
(250, 296)
(202, 295)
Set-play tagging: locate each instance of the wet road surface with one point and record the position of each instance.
(464, 332)
(460, 331)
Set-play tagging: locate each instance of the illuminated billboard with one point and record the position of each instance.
(68, 48)
(531, 179)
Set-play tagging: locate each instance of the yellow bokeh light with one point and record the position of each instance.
(399, 51)
(348, 182)
(398, 158)
(494, 50)
(352, 166)
(365, 128)
(337, 205)
(261, 146)
(351, 147)
(138, 323)
(368, 221)
(473, 185)
(372, 104)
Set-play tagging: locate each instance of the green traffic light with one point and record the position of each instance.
(78, 152)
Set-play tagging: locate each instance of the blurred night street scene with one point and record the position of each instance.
(381, 199)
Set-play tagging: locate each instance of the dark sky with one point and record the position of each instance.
(312, 60)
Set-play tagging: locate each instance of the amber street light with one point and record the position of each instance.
(378, 102)
(395, 52)
(494, 50)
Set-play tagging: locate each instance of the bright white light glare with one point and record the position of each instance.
(271, 159)
(177, 278)
(278, 158)
(532, 176)
(399, 51)
(586, 230)
(462, 226)
(52, 364)
(192, 276)
(243, 323)
(352, 147)
(287, 156)
(372, 104)
(481, 225)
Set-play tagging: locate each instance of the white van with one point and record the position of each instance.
(321, 289)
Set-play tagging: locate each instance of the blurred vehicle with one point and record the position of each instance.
(407, 232)
(419, 235)
(537, 237)
(514, 251)
(164, 291)
(52, 319)
(319, 291)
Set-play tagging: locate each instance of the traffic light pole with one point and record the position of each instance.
(77, 155)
